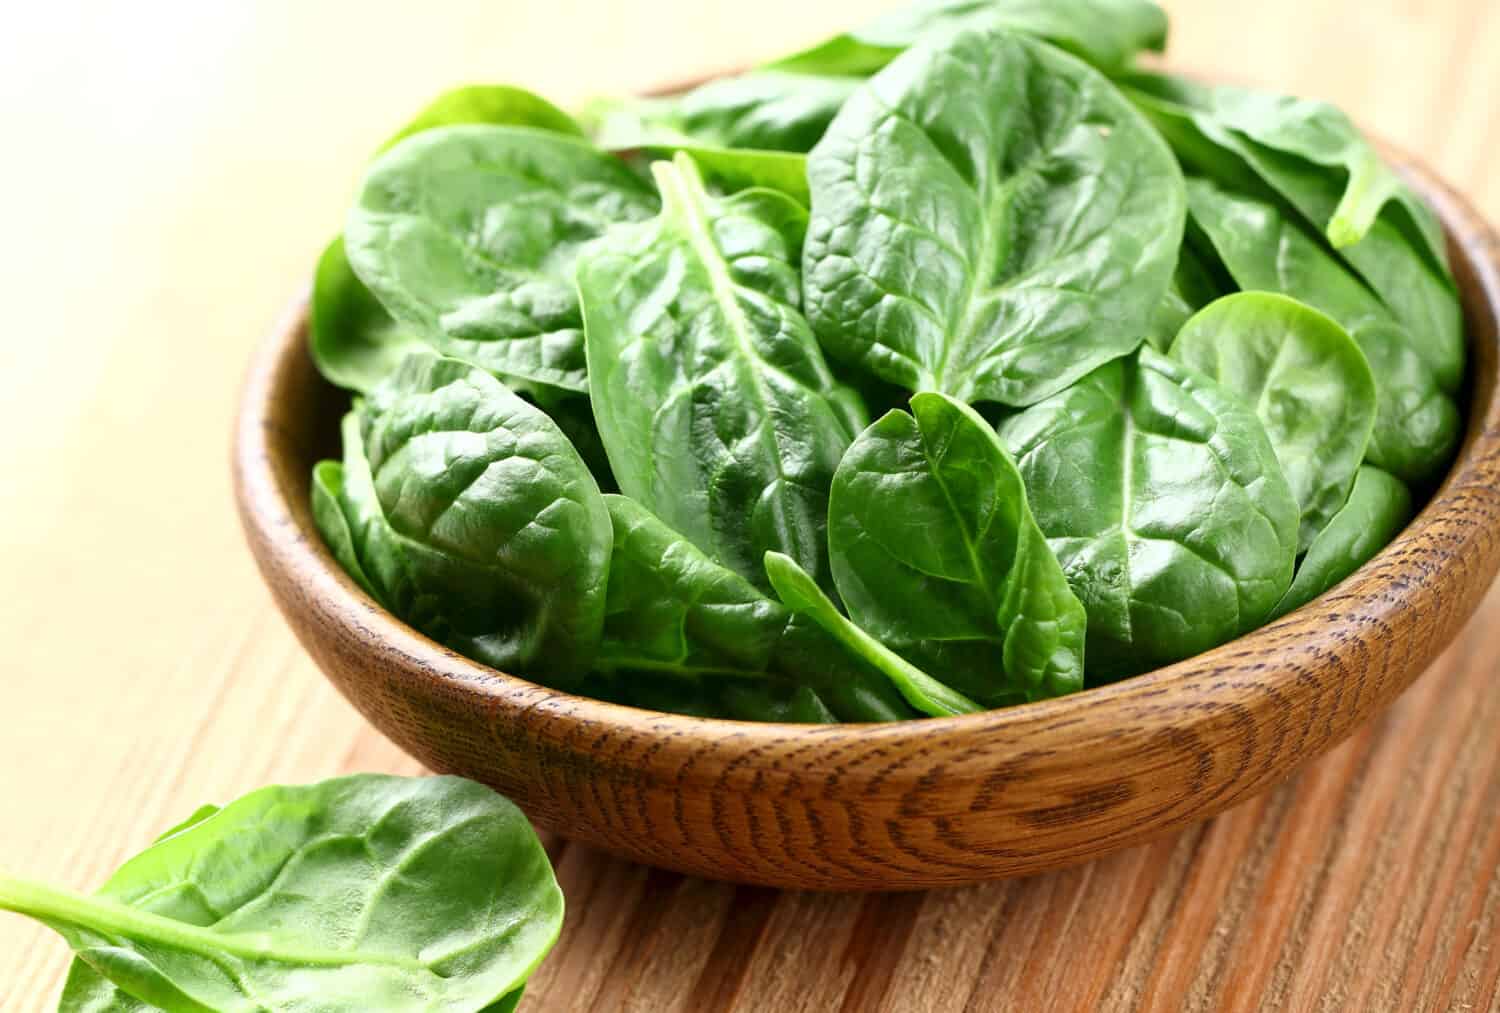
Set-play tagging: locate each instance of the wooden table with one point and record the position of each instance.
(171, 171)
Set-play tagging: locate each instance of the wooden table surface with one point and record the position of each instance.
(170, 173)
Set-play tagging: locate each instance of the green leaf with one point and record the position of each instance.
(1310, 155)
(717, 409)
(1107, 33)
(937, 556)
(1308, 382)
(476, 521)
(468, 236)
(671, 609)
(365, 892)
(800, 593)
(991, 220)
(333, 525)
(354, 340)
(488, 103)
(1378, 507)
(1193, 287)
(1164, 501)
(1417, 424)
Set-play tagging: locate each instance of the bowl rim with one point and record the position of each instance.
(294, 546)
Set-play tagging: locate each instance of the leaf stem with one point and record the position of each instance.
(57, 906)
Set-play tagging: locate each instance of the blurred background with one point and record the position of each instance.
(169, 174)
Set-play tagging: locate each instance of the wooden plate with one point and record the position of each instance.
(914, 804)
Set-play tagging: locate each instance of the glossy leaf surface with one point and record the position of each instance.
(468, 236)
(418, 894)
(1308, 382)
(936, 555)
(991, 220)
(717, 409)
(1165, 504)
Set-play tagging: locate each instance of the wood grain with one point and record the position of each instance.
(184, 163)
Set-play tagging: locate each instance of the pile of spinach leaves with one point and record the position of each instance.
(952, 363)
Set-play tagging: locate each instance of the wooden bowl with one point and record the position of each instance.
(912, 804)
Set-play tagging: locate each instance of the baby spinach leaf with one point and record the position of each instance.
(991, 220)
(1378, 508)
(1107, 33)
(1164, 501)
(488, 103)
(474, 519)
(468, 235)
(366, 892)
(800, 593)
(1310, 155)
(670, 608)
(1308, 382)
(936, 554)
(717, 409)
(354, 340)
(333, 525)
(767, 109)
(1416, 422)
(1193, 287)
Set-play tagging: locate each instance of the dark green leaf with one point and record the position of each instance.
(936, 555)
(1164, 501)
(991, 220)
(1378, 508)
(717, 409)
(800, 593)
(366, 892)
(475, 520)
(1416, 423)
(468, 235)
(1308, 382)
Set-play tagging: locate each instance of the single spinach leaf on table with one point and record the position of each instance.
(991, 220)
(800, 593)
(1417, 423)
(936, 555)
(354, 339)
(358, 893)
(1378, 507)
(1106, 33)
(474, 519)
(468, 235)
(1312, 157)
(1308, 382)
(1165, 504)
(717, 409)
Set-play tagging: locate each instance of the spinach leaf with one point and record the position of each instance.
(1416, 424)
(717, 409)
(936, 554)
(333, 525)
(1107, 33)
(1308, 382)
(475, 520)
(1378, 508)
(487, 103)
(799, 592)
(670, 608)
(1193, 287)
(1164, 501)
(358, 893)
(354, 340)
(1310, 155)
(468, 235)
(991, 220)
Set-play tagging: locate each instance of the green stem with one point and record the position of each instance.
(111, 918)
